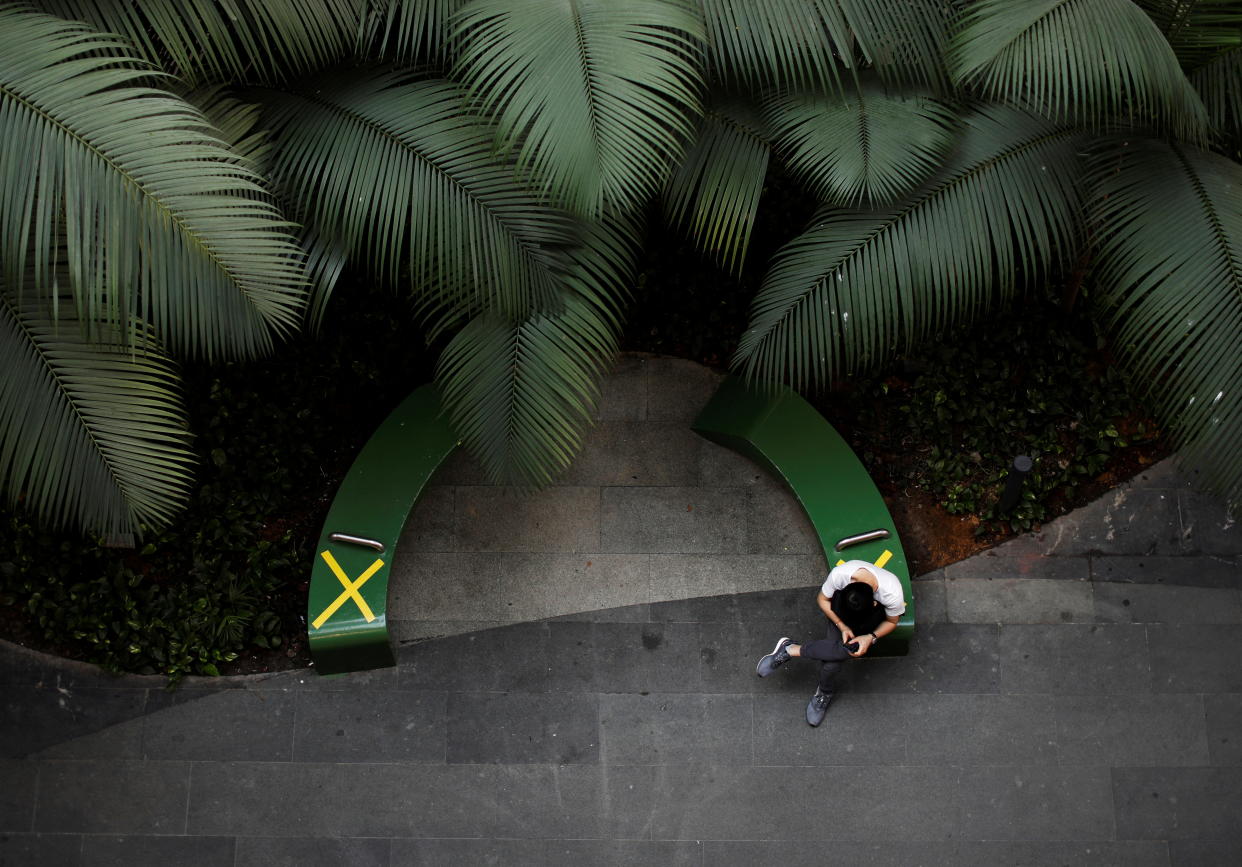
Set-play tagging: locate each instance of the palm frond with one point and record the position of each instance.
(1219, 83)
(410, 31)
(521, 393)
(92, 431)
(1197, 30)
(203, 41)
(778, 44)
(1206, 36)
(858, 287)
(902, 40)
(869, 144)
(400, 174)
(810, 44)
(238, 124)
(714, 194)
(160, 219)
(1170, 275)
(598, 97)
(1088, 60)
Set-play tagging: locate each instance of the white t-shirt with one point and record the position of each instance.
(889, 593)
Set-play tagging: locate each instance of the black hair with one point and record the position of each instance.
(856, 605)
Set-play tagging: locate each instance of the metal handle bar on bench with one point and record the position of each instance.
(869, 536)
(357, 540)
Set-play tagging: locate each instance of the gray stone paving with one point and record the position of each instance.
(1072, 697)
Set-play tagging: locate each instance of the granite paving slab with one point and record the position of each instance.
(1224, 729)
(17, 795)
(1158, 603)
(1075, 658)
(32, 716)
(1177, 803)
(40, 850)
(1195, 660)
(112, 797)
(110, 851)
(370, 726)
(312, 852)
(200, 725)
(1130, 730)
(1018, 600)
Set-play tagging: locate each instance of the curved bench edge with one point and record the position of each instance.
(736, 417)
(347, 603)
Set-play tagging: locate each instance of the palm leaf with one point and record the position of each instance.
(521, 393)
(869, 145)
(1206, 36)
(92, 432)
(858, 287)
(238, 124)
(160, 219)
(781, 43)
(410, 31)
(903, 40)
(1197, 30)
(1083, 59)
(400, 174)
(598, 97)
(714, 194)
(205, 41)
(1170, 276)
(809, 44)
(1219, 83)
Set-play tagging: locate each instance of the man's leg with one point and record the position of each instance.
(831, 652)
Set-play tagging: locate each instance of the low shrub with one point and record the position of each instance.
(273, 439)
(1033, 383)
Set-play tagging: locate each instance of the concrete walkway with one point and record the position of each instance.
(589, 694)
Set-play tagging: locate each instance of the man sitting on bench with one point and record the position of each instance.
(863, 604)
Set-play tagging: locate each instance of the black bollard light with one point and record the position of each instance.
(1013, 485)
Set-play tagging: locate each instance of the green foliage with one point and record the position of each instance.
(193, 623)
(380, 165)
(714, 195)
(1024, 385)
(1050, 54)
(858, 286)
(274, 438)
(1170, 290)
(869, 145)
(474, 153)
(599, 97)
(102, 439)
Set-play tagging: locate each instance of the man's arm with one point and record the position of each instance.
(865, 641)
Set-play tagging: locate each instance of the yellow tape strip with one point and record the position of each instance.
(350, 591)
(884, 558)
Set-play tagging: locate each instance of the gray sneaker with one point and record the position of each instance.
(774, 660)
(817, 708)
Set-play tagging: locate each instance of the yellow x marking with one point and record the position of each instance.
(350, 591)
(884, 558)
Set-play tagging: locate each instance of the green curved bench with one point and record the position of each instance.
(347, 612)
(783, 433)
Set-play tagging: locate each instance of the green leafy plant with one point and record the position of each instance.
(191, 178)
(274, 439)
(1024, 385)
